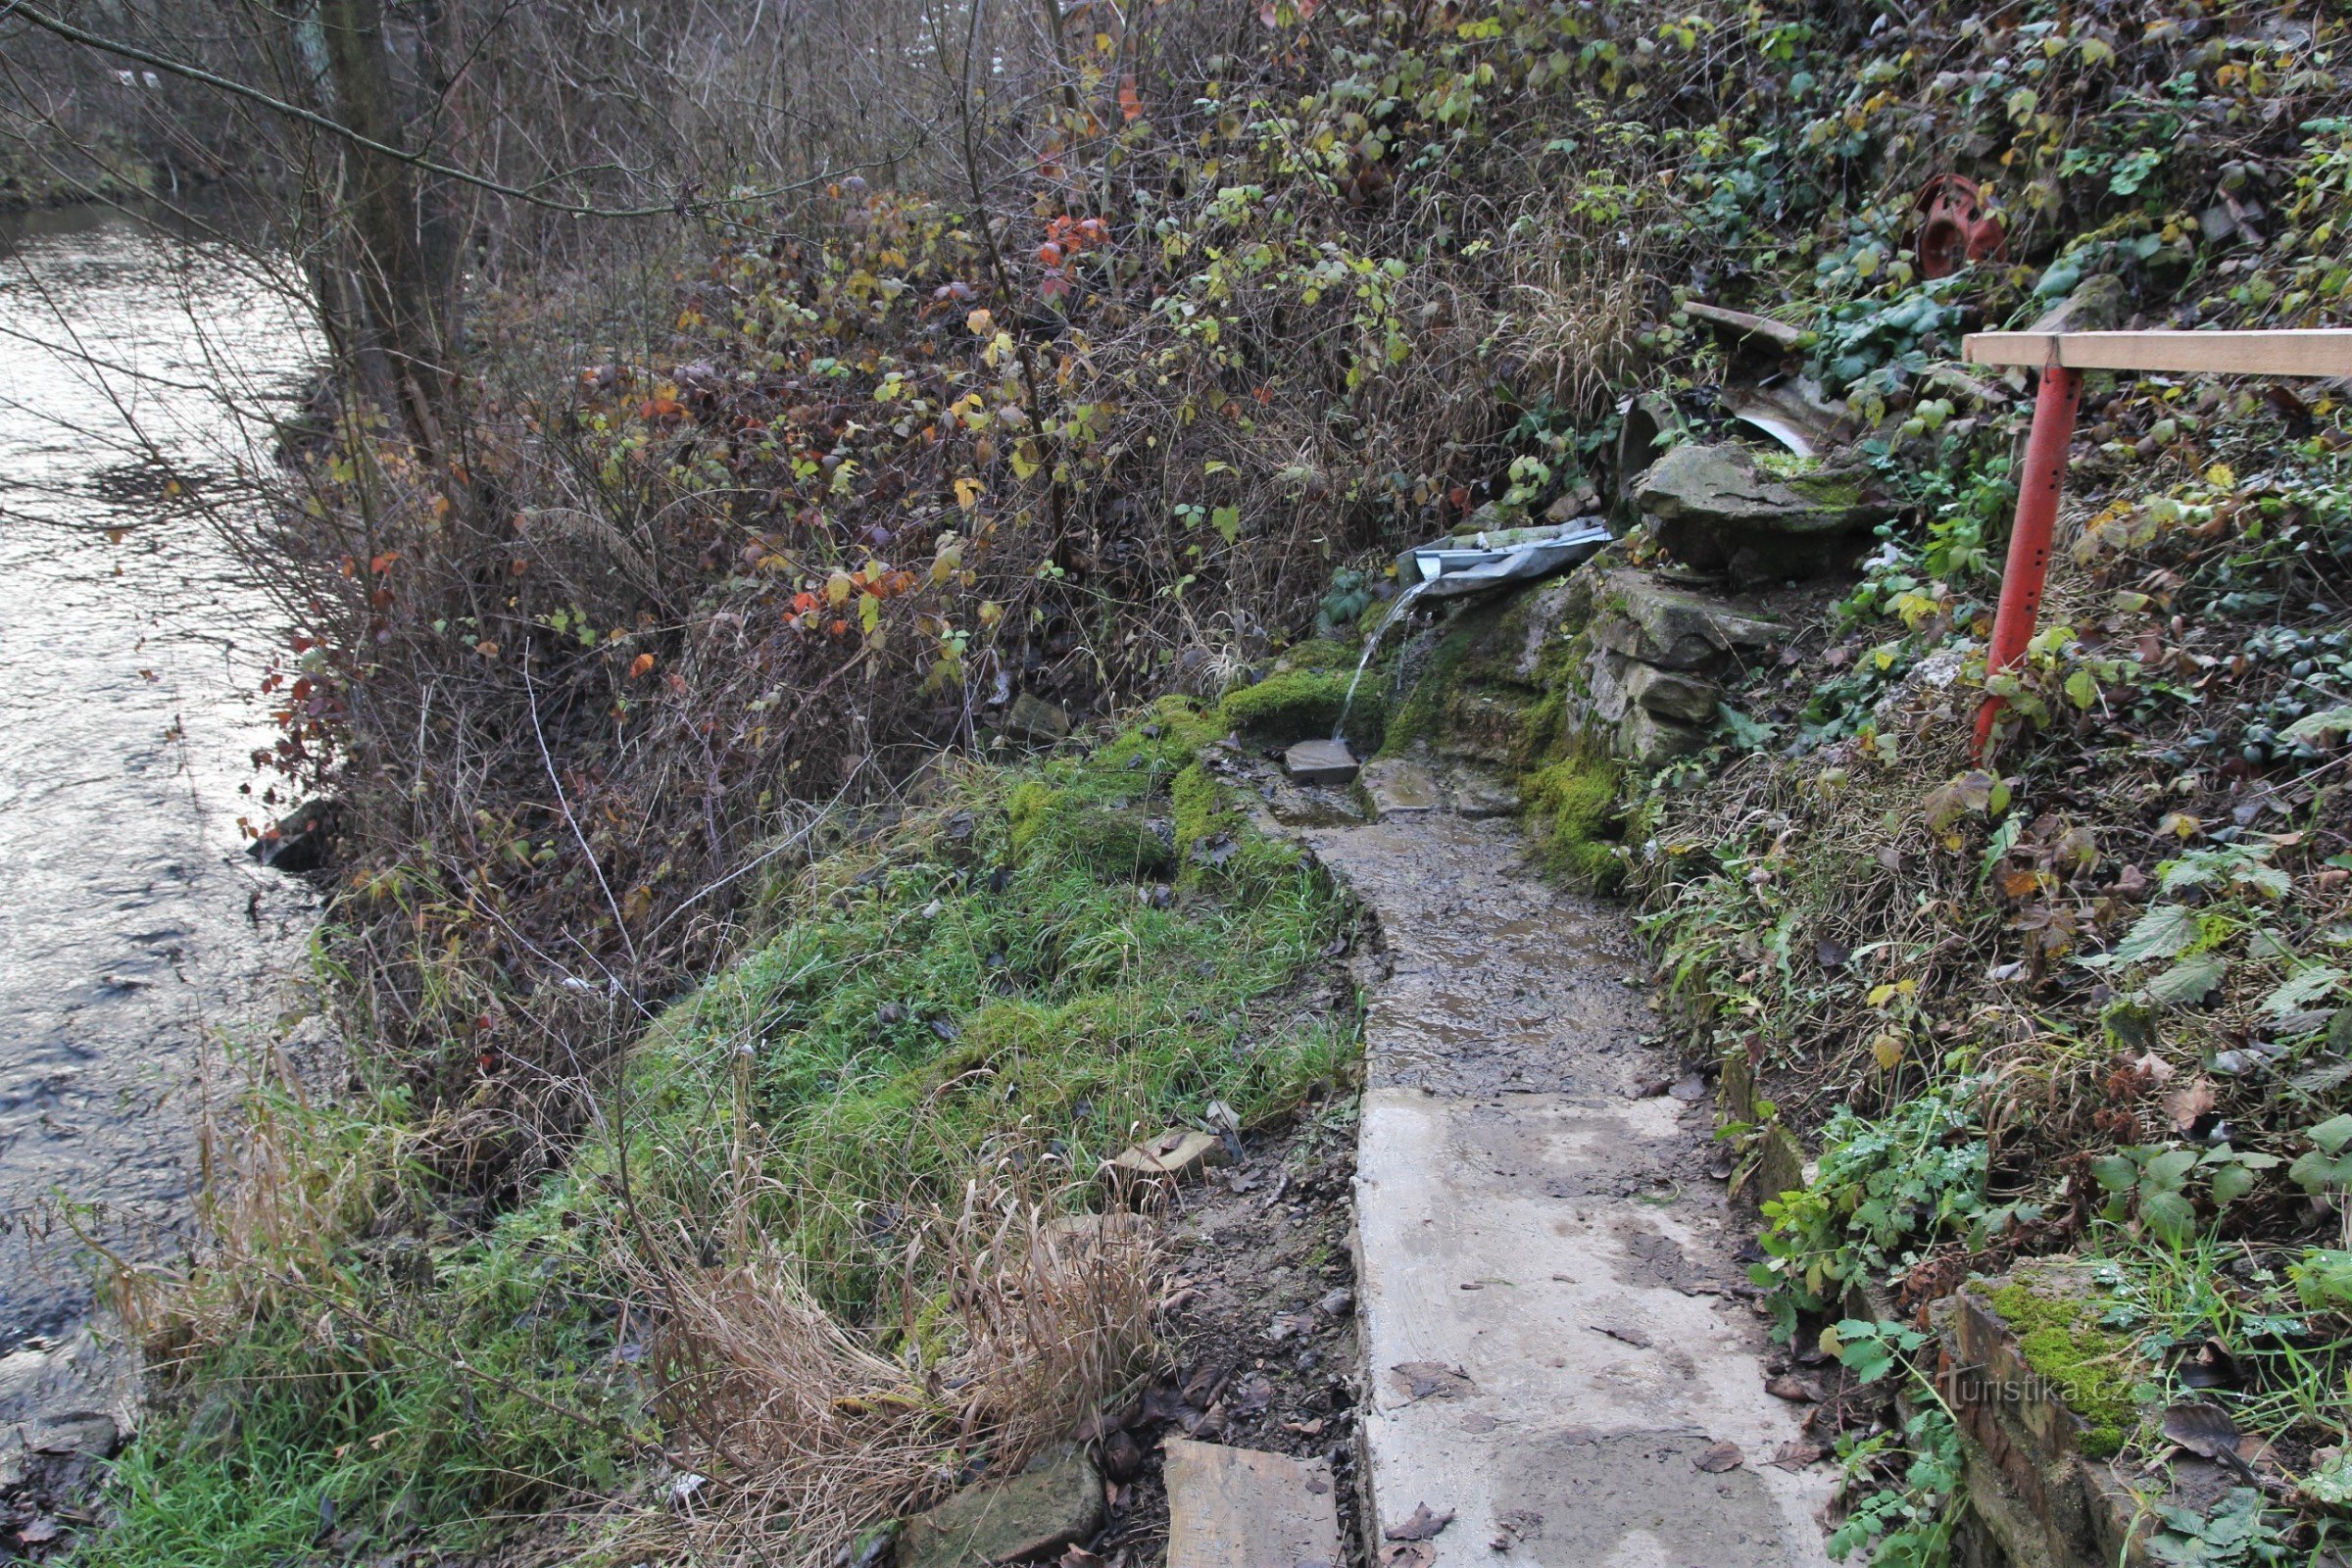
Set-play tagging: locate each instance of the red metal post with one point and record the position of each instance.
(2037, 491)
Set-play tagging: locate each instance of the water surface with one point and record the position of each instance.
(132, 925)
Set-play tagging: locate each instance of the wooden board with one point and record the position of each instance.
(1243, 1509)
(2324, 351)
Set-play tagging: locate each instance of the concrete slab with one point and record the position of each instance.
(1242, 1509)
(1592, 1360)
(1546, 1282)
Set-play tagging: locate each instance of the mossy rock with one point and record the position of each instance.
(1297, 705)
(2053, 1312)
(1571, 810)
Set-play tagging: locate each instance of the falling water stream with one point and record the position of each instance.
(1405, 602)
(137, 373)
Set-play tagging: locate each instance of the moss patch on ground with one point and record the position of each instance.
(2061, 1340)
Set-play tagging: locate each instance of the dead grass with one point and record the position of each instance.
(1012, 1327)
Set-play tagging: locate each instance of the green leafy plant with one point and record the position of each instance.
(2327, 1163)
(2151, 1183)
(2237, 1531)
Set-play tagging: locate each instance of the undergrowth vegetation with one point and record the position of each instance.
(1132, 379)
(820, 1247)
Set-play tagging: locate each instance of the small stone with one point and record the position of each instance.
(1057, 1502)
(1326, 761)
(1646, 740)
(2099, 304)
(1181, 1153)
(1337, 1304)
(1034, 719)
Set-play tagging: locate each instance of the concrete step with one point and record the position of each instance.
(1243, 1509)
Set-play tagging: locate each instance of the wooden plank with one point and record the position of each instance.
(2324, 350)
(1243, 1509)
(1780, 335)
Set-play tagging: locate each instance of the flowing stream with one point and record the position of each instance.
(135, 935)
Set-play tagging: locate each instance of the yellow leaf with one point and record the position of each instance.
(2222, 477)
(968, 493)
(838, 588)
(1889, 1049)
(981, 323)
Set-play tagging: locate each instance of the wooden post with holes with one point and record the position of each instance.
(2062, 358)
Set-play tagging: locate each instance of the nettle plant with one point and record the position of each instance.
(2150, 1187)
(2209, 900)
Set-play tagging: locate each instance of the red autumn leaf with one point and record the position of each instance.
(1131, 106)
(642, 664)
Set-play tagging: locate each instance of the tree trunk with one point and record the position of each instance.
(400, 239)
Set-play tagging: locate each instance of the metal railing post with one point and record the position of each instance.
(2037, 491)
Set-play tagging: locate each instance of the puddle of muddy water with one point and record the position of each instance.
(131, 922)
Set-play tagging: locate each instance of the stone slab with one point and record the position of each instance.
(1243, 1509)
(1547, 1285)
(1054, 1503)
(1398, 786)
(1590, 1363)
(1325, 762)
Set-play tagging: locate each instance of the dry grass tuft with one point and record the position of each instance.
(1014, 1325)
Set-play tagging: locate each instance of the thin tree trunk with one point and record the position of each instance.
(401, 250)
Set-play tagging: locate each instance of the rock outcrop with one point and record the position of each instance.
(1718, 507)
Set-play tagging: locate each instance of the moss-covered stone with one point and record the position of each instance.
(1296, 705)
(1571, 809)
(2091, 1368)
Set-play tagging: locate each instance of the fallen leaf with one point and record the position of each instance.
(1430, 1380)
(1407, 1554)
(2188, 1102)
(1797, 1453)
(1718, 1457)
(1421, 1526)
(1634, 1336)
(1690, 1087)
(1793, 1389)
(2206, 1431)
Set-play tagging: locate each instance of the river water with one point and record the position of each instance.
(140, 948)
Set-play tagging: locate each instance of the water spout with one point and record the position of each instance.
(1405, 602)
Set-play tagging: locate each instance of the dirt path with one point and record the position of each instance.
(1556, 1357)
